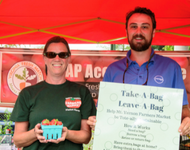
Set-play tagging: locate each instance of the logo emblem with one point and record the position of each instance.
(23, 74)
(73, 102)
(159, 79)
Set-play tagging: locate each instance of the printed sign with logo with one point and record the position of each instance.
(73, 102)
(25, 67)
(23, 74)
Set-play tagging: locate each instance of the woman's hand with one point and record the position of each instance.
(63, 136)
(38, 132)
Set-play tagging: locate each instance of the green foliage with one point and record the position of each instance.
(157, 47)
(10, 45)
(168, 48)
(22, 46)
(120, 47)
(7, 122)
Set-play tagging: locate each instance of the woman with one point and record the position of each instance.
(47, 100)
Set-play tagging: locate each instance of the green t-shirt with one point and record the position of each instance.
(47, 101)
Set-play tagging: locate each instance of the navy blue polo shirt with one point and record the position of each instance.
(163, 72)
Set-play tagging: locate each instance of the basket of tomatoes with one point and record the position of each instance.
(52, 129)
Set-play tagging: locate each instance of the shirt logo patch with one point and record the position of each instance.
(73, 102)
(159, 79)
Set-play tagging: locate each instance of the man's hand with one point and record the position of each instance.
(91, 122)
(184, 128)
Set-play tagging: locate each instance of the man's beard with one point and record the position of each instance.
(139, 47)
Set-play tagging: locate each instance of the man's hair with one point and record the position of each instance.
(142, 10)
(55, 39)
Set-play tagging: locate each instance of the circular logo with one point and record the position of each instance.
(159, 79)
(23, 74)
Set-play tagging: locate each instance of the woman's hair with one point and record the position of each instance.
(56, 39)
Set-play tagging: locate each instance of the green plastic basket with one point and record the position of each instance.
(52, 131)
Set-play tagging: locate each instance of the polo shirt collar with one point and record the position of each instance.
(129, 54)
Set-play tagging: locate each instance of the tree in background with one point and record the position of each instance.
(8, 123)
(22, 46)
(118, 47)
(168, 48)
(124, 47)
(158, 47)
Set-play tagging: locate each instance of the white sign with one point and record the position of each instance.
(137, 117)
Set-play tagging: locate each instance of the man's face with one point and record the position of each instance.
(140, 32)
(56, 66)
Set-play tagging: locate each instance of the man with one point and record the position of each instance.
(142, 66)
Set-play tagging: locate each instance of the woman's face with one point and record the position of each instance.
(56, 66)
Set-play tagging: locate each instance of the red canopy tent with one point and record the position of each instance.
(89, 21)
